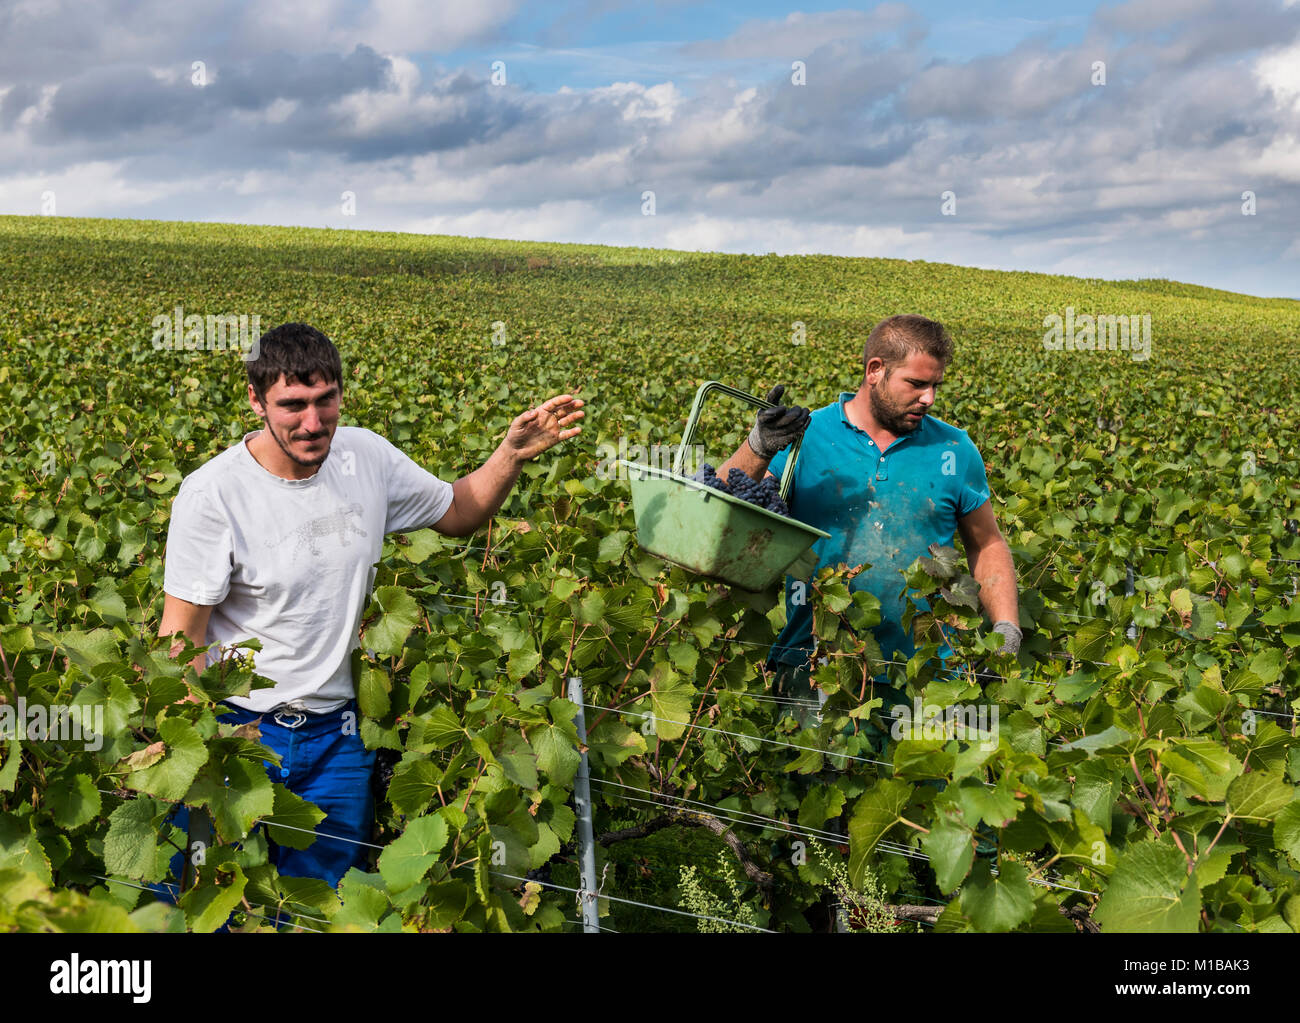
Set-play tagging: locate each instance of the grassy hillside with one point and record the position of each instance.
(643, 325)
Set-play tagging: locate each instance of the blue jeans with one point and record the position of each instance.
(324, 761)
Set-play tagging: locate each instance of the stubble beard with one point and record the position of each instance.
(304, 462)
(892, 417)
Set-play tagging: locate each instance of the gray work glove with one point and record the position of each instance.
(777, 428)
(1011, 636)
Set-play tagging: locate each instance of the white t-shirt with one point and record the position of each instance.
(292, 562)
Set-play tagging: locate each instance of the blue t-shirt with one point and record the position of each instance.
(882, 509)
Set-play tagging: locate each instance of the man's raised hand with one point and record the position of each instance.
(776, 428)
(545, 426)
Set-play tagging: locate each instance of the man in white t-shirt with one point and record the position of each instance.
(276, 538)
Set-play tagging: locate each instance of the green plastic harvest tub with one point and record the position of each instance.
(710, 532)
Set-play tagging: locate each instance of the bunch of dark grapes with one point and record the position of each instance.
(709, 477)
(766, 494)
(385, 761)
(542, 874)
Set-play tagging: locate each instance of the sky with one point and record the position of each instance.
(1151, 138)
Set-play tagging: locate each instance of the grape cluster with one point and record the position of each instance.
(766, 494)
(542, 874)
(385, 762)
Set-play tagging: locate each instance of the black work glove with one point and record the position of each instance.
(777, 428)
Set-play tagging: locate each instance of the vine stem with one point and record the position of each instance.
(1162, 788)
(630, 669)
(9, 674)
(1045, 562)
(465, 807)
(573, 640)
(1044, 866)
(739, 759)
(627, 703)
(618, 653)
(1132, 759)
(1200, 857)
(1191, 863)
(1169, 814)
(487, 551)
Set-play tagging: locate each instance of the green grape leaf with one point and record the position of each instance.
(236, 804)
(1286, 830)
(1259, 795)
(208, 906)
(820, 804)
(292, 819)
(951, 851)
(875, 813)
(413, 786)
(171, 777)
(73, 803)
(996, 904)
(408, 857)
(398, 615)
(132, 838)
(1150, 892)
(556, 754)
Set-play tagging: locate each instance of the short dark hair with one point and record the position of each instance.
(894, 338)
(297, 352)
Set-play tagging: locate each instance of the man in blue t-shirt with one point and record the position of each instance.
(886, 479)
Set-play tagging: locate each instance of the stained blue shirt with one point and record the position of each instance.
(883, 509)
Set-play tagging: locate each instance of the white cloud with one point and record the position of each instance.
(40, 110)
(91, 189)
(1193, 218)
(280, 110)
(1280, 159)
(250, 183)
(657, 103)
(1279, 72)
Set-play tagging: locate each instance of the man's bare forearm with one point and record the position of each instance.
(481, 494)
(747, 462)
(191, 620)
(995, 571)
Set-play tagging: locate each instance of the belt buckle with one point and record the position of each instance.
(296, 718)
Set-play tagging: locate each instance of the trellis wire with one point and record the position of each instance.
(631, 902)
(578, 923)
(371, 845)
(807, 831)
(739, 735)
(723, 812)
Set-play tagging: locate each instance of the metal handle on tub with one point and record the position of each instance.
(692, 421)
